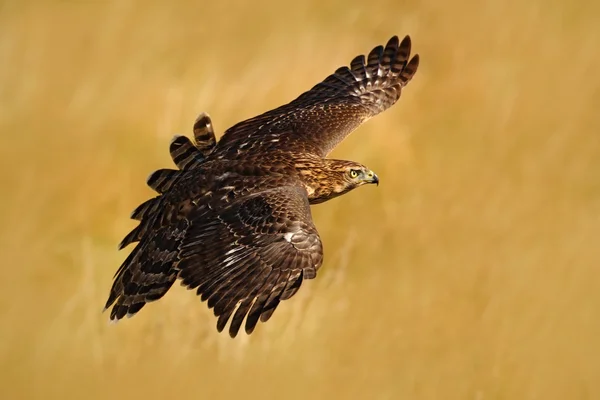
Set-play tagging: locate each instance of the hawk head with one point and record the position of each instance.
(335, 178)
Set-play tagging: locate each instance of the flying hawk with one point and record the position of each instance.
(233, 221)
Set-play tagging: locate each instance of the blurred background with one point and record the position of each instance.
(471, 272)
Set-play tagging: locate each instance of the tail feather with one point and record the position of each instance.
(184, 154)
(146, 209)
(204, 134)
(162, 179)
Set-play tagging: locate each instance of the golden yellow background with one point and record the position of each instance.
(471, 272)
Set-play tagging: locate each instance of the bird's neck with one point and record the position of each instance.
(320, 179)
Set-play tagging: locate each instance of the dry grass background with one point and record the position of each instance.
(472, 272)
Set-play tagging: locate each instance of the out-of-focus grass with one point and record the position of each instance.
(470, 273)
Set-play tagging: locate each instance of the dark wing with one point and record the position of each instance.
(322, 117)
(149, 271)
(247, 257)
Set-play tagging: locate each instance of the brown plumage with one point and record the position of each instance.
(233, 221)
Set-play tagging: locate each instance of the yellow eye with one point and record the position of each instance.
(353, 173)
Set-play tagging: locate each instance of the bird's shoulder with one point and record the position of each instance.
(220, 182)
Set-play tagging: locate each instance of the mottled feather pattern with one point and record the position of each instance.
(322, 117)
(148, 273)
(253, 251)
(233, 221)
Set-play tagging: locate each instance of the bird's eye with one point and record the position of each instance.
(353, 173)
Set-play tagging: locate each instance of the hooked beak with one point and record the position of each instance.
(372, 178)
(375, 180)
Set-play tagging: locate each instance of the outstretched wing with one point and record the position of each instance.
(247, 257)
(322, 117)
(149, 271)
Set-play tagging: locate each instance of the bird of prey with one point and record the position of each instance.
(233, 222)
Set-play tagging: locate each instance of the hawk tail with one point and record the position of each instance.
(204, 134)
(186, 154)
(163, 179)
